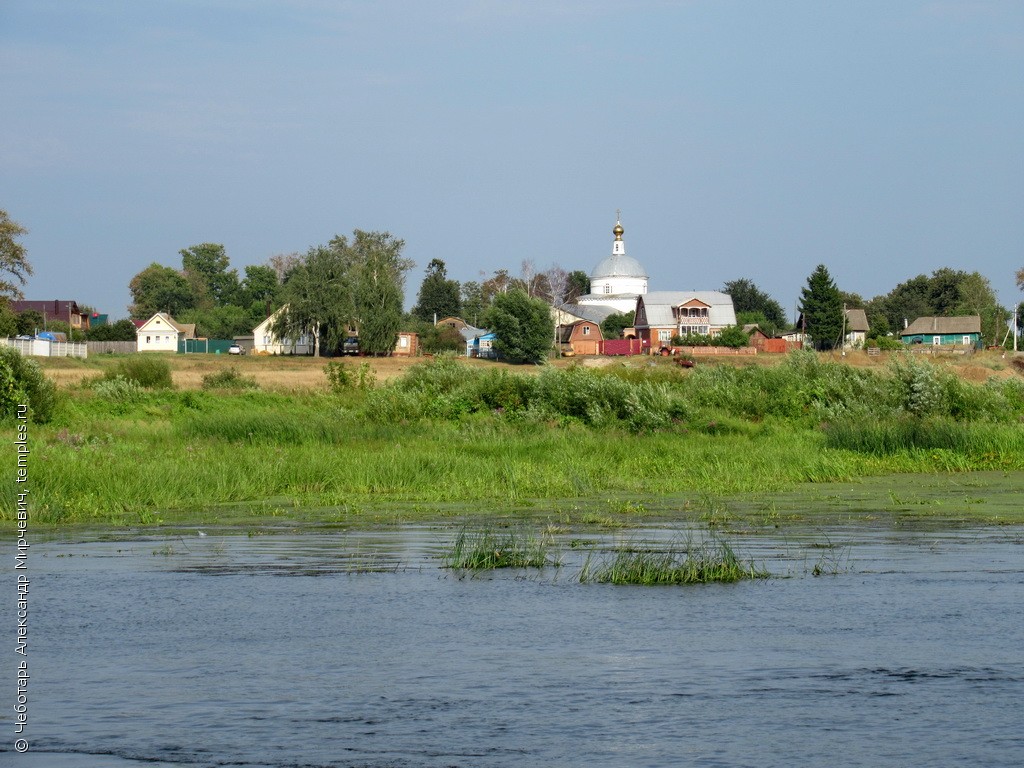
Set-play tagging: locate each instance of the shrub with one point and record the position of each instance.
(341, 379)
(144, 369)
(118, 390)
(22, 383)
(229, 378)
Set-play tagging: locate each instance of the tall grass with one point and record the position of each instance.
(689, 562)
(488, 549)
(448, 433)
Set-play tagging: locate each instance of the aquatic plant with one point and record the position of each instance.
(487, 549)
(689, 562)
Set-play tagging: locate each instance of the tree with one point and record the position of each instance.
(122, 330)
(822, 307)
(159, 289)
(29, 322)
(206, 267)
(747, 297)
(438, 296)
(13, 261)
(733, 336)
(579, 285)
(8, 321)
(219, 322)
(1020, 278)
(613, 325)
(342, 285)
(523, 327)
(317, 298)
(473, 304)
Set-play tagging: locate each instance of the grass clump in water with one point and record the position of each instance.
(486, 550)
(711, 561)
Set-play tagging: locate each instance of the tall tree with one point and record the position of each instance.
(378, 288)
(523, 327)
(613, 325)
(473, 302)
(159, 289)
(206, 266)
(1020, 278)
(822, 307)
(438, 296)
(318, 298)
(13, 261)
(347, 284)
(747, 297)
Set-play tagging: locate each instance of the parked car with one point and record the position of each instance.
(236, 349)
(351, 346)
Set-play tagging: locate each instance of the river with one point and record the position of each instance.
(345, 648)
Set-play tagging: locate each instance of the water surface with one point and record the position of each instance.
(356, 649)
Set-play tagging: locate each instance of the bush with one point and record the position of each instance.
(341, 379)
(22, 383)
(229, 378)
(145, 370)
(119, 390)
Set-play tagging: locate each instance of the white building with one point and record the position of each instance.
(264, 342)
(616, 280)
(161, 333)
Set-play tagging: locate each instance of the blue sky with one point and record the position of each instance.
(740, 139)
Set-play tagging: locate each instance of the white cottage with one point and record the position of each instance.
(264, 342)
(161, 333)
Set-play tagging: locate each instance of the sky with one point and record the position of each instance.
(739, 139)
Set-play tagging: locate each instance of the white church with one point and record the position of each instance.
(617, 280)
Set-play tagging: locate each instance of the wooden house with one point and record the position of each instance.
(582, 337)
(944, 331)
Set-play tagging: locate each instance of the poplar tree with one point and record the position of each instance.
(13, 261)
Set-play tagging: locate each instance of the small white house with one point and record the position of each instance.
(161, 333)
(264, 342)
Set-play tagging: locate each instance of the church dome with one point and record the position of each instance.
(618, 265)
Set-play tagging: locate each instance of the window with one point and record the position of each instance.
(586, 330)
(607, 288)
(664, 335)
(936, 341)
(148, 339)
(403, 342)
(967, 341)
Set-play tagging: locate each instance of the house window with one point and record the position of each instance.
(664, 335)
(148, 339)
(586, 330)
(967, 341)
(403, 342)
(936, 341)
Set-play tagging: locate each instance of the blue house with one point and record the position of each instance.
(944, 331)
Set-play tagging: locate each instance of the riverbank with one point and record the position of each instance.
(575, 446)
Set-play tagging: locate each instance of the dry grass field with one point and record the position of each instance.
(306, 373)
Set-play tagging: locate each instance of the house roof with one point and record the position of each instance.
(658, 306)
(856, 320)
(188, 330)
(57, 308)
(565, 331)
(944, 325)
(595, 313)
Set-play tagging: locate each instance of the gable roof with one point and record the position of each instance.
(186, 329)
(944, 325)
(856, 320)
(657, 307)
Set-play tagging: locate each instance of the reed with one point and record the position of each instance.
(708, 561)
(487, 549)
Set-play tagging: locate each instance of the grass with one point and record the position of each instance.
(486, 549)
(509, 440)
(708, 561)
